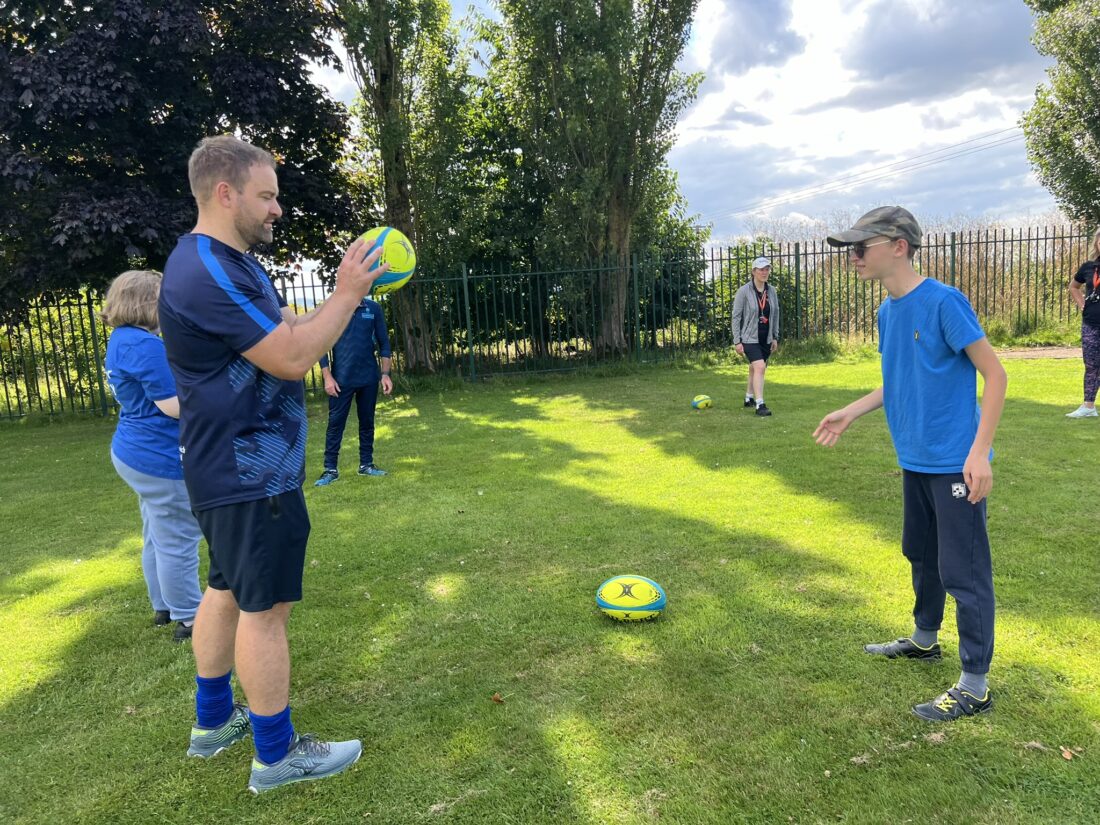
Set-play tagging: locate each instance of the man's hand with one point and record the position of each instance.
(775, 346)
(331, 387)
(387, 385)
(831, 427)
(357, 272)
(740, 349)
(978, 476)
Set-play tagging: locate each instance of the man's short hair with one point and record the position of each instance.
(223, 158)
(132, 300)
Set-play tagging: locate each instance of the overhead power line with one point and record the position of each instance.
(883, 172)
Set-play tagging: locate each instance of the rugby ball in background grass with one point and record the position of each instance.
(397, 251)
(631, 598)
(701, 402)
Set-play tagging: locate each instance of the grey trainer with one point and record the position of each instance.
(906, 649)
(207, 742)
(308, 758)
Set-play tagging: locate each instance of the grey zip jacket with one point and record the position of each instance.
(746, 315)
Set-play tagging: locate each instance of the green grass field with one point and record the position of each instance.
(471, 570)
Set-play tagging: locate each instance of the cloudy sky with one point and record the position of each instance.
(815, 108)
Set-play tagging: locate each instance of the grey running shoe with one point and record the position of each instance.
(207, 742)
(954, 704)
(308, 758)
(906, 649)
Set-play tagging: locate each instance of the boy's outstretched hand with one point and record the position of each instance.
(831, 427)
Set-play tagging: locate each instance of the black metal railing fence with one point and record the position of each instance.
(493, 318)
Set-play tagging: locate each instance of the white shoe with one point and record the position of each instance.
(1083, 412)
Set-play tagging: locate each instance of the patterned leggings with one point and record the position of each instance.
(1090, 348)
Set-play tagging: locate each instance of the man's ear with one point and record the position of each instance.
(223, 194)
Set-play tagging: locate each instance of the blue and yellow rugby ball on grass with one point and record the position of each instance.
(397, 251)
(701, 402)
(631, 598)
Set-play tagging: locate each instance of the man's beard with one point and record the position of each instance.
(252, 233)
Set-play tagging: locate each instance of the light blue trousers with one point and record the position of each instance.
(170, 555)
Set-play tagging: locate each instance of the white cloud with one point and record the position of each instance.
(871, 86)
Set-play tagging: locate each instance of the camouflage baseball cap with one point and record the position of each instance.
(887, 221)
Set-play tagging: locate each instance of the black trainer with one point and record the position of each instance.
(763, 410)
(905, 649)
(161, 618)
(750, 402)
(182, 632)
(953, 704)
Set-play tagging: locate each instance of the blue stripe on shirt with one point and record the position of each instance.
(223, 280)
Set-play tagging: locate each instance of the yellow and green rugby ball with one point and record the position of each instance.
(631, 598)
(701, 402)
(397, 251)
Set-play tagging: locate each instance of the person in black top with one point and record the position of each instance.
(1084, 288)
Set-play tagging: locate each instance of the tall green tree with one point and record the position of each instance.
(594, 87)
(1063, 127)
(101, 104)
(412, 78)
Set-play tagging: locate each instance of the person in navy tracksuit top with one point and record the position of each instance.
(354, 375)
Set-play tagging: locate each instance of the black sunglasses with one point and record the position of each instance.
(858, 250)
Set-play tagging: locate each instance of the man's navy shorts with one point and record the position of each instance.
(258, 549)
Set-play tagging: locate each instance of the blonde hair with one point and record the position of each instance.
(132, 300)
(223, 158)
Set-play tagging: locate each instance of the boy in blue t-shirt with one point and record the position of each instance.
(932, 346)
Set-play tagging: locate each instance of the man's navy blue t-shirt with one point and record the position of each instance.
(353, 361)
(242, 431)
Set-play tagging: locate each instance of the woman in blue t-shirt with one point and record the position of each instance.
(146, 448)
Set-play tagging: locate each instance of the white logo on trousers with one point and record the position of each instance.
(958, 490)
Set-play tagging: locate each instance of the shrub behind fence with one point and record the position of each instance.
(491, 319)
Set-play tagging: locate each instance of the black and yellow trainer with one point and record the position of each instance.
(954, 704)
(906, 649)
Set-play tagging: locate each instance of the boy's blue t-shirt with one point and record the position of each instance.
(242, 431)
(929, 383)
(353, 360)
(138, 374)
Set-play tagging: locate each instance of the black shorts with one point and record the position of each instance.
(258, 549)
(757, 352)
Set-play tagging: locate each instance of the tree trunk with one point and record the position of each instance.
(385, 87)
(614, 284)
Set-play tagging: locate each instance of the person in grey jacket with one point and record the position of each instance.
(756, 330)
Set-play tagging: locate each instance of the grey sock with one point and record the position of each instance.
(976, 684)
(924, 638)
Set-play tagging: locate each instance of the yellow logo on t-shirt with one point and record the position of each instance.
(916, 335)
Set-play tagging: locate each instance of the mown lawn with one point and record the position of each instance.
(471, 570)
